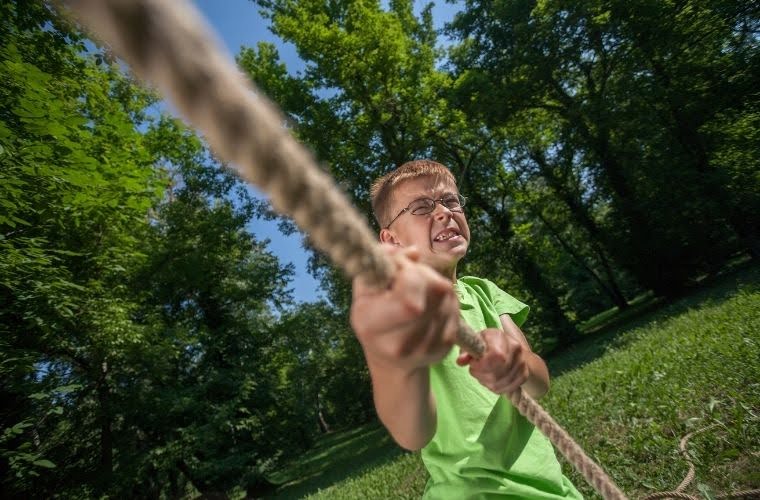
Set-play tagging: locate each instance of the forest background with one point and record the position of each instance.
(149, 342)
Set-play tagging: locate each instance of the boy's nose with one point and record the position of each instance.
(443, 213)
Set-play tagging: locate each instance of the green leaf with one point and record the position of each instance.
(44, 463)
(65, 389)
(706, 491)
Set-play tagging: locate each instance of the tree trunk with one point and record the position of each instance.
(526, 266)
(610, 289)
(618, 298)
(661, 273)
(686, 131)
(203, 488)
(534, 280)
(104, 421)
(583, 218)
(323, 425)
(531, 273)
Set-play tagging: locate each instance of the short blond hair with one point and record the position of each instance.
(381, 191)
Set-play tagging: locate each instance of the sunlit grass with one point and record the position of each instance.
(336, 457)
(655, 383)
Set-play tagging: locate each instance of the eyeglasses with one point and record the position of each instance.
(424, 206)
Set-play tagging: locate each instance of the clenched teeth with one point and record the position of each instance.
(446, 235)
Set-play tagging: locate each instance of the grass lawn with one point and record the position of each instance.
(627, 394)
(336, 457)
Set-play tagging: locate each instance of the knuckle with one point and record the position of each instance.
(451, 331)
(489, 335)
(360, 329)
(511, 344)
(401, 350)
(515, 353)
(412, 308)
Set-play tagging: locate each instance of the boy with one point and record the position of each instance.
(474, 443)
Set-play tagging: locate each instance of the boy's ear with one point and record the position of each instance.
(387, 236)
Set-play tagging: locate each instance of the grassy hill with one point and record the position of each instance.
(627, 394)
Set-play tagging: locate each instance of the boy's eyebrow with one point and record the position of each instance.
(445, 193)
(436, 196)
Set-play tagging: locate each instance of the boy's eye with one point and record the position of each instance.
(451, 201)
(422, 206)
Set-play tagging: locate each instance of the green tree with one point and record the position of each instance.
(322, 367)
(136, 310)
(212, 288)
(373, 96)
(77, 183)
(632, 88)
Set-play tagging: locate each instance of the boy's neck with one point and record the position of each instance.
(450, 274)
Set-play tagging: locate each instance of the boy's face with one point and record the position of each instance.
(442, 236)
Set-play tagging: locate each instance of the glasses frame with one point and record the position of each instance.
(460, 209)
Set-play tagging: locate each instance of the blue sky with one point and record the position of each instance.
(238, 23)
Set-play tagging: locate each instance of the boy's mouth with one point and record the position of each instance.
(446, 234)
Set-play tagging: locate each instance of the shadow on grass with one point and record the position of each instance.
(605, 334)
(336, 456)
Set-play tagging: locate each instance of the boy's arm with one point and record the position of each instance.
(508, 362)
(405, 404)
(403, 329)
(538, 382)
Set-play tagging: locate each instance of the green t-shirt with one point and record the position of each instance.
(483, 447)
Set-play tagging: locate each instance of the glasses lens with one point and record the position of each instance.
(422, 206)
(453, 202)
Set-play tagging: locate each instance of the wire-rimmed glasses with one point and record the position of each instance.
(424, 206)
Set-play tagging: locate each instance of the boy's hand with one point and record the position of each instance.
(504, 366)
(411, 324)
(508, 362)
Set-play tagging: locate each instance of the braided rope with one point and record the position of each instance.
(571, 450)
(670, 494)
(679, 491)
(748, 494)
(167, 43)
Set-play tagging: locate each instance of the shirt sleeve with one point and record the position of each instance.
(506, 304)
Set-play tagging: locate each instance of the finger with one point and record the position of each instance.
(491, 363)
(464, 359)
(510, 388)
(503, 389)
(411, 252)
(442, 314)
(435, 281)
(517, 380)
(417, 293)
(450, 310)
(507, 383)
(495, 342)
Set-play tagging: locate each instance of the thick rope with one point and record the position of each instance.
(679, 491)
(167, 43)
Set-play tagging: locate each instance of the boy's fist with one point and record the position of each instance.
(411, 324)
(504, 366)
